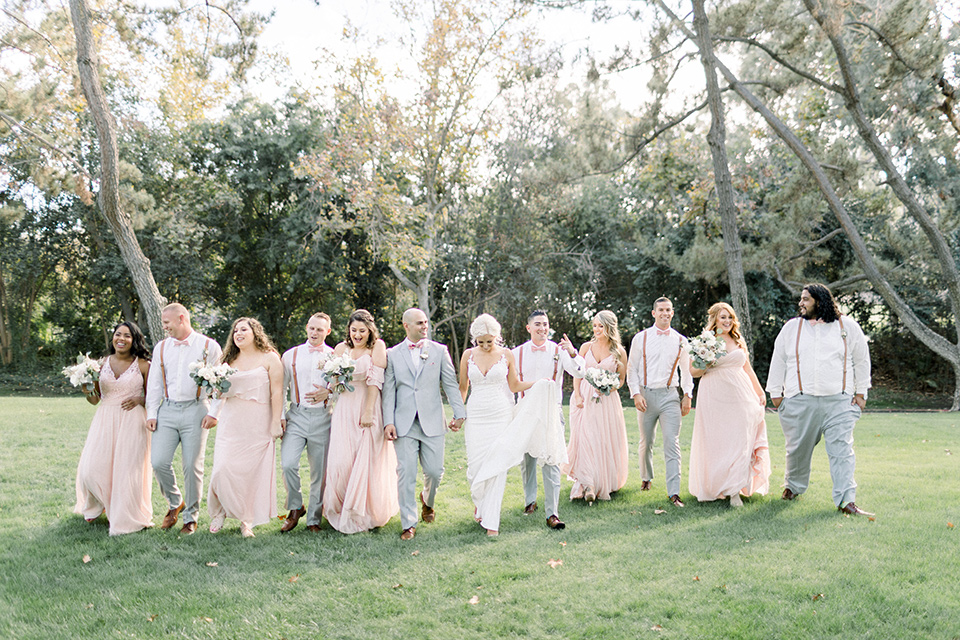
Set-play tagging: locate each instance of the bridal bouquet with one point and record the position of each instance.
(706, 349)
(211, 377)
(86, 371)
(602, 380)
(338, 372)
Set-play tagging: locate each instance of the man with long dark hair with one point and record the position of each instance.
(818, 381)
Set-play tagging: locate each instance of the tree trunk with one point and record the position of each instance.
(933, 340)
(109, 196)
(717, 139)
(6, 335)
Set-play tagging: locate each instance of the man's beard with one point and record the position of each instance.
(811, 315)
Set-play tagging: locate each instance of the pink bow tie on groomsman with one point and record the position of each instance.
(542, 347)
(416, 345)
(815, 322)
(313, 349)
(663, 332)
(181, 343)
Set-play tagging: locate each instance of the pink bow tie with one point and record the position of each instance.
(814, 323)
(535, 348)
(416, 345)
(663, 332)
(180, 343)
(313, 349)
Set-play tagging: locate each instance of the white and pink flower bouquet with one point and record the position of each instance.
(706, 349)
(86, 371)
(603, 381)
(338, 372)
(213, 378)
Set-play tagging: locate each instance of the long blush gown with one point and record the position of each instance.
(598, 439)
(243, 484)
(114, 474)
(729, 451)
(489, 412)
(361, 488)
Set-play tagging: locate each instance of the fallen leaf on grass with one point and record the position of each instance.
(949, 525)
(416, 553)
(474, 600)
(554, 563)
(871, 519)
(656, 627)
(658, 511)
(86, 558)
(89, 606)
(212, 564)
(563, 544)
(819, 596)
(696, 578)
(398, 586)
(282, 516)
(153, 617)
(293, 578)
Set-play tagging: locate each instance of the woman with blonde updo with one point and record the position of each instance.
(489, 372)
(599, 462)
(728, 454)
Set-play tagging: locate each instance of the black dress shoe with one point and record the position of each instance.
(554, 523)
(851, 509)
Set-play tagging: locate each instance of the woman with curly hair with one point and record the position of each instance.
(361, 487)
(243, 484)
(728, 454)
(113, 476)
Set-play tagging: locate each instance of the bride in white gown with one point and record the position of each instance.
(497, 432)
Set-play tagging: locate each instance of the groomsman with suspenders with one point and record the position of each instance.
(307, 423)
(818, 381)
(536, 359)
(658, 362)
(179, 413)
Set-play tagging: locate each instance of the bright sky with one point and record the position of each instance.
(300, 29)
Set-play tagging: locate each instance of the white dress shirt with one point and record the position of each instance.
(822, 364)
(180, 387)
(537, 365)
(414, 353)
(661, 354)
(308, 373)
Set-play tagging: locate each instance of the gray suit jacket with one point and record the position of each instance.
(408, 395)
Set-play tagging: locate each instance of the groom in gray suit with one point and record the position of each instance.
(413, 414)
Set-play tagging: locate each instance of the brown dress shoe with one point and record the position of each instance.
(292, 519)
(188, 528)
(788, 495)
(314, 527)
(675, 499)
(554, 523)
(408, 533)
(427, 514)
(851, 509)
(530, 508)
(645, 485)
(171, 518)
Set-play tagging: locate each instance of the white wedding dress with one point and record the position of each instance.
(499, 433)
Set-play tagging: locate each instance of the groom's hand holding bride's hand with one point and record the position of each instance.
(455, 425)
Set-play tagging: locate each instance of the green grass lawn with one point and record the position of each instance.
(769, 570)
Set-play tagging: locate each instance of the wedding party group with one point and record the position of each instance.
(371, 418)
